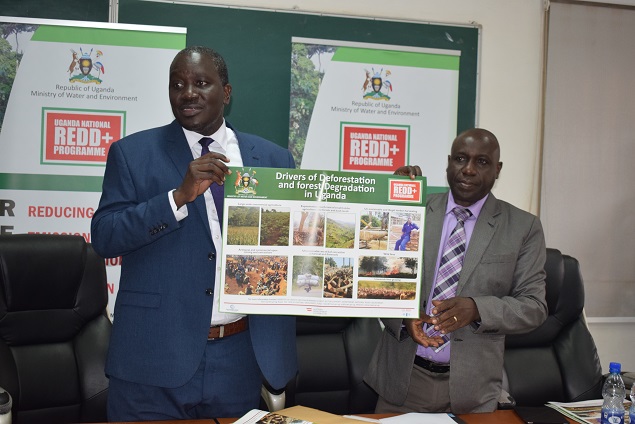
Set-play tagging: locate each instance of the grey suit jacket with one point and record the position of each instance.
(503, 272)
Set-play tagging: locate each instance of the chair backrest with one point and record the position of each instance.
(558, 361)
(333, 355)
(54, 330)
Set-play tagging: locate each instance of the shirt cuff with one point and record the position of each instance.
(179, 213)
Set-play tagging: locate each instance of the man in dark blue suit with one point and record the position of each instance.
(172, 354)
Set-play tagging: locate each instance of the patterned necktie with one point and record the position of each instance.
(218, 191)
(451, 264)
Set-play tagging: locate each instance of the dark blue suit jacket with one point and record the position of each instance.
(163, 308)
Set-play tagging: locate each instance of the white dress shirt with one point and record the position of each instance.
(226, 143)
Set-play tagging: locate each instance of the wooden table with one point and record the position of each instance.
(497, 417)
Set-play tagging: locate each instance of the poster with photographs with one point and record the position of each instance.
(322, 243)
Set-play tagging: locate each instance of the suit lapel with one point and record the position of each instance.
(481, 237)
(177, 148)
(179, 152)
(247, 148)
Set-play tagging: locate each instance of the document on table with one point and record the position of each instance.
(410, 418)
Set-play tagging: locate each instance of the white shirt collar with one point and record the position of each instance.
(220, 136)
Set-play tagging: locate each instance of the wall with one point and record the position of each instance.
(588, 153)
(615, 342)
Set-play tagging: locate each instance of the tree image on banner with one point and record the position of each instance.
(306, 76)
(10, 57)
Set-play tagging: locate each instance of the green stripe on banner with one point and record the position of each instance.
(111, 37)
(397, 58)
(436, 189)
(50, 182)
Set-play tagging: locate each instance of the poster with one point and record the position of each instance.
(68, 90)
(322, 243)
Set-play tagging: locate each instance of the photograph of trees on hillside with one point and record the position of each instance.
(340, 230)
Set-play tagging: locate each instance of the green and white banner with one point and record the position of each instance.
(322, 243)
(68, 90)
(371, 108)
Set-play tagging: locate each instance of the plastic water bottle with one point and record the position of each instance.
(5, 407)
(613, 393)
(631, 411)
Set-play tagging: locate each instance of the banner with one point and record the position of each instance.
(68, 90)
(372, 108)
(322, 243)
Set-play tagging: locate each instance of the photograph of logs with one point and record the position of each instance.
(338, 277)
(373, 230)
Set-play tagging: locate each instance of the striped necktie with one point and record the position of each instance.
(451, 264)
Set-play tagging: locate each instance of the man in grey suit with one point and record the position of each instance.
(500, 290)
(172, 353)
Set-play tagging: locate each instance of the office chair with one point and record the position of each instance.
(333, 355)
(54, 330)
(558, 361)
